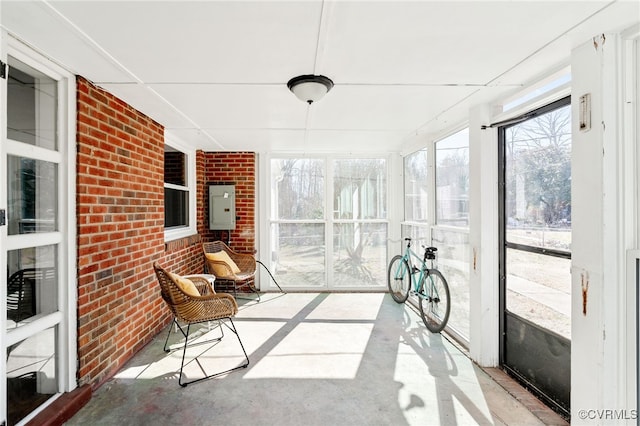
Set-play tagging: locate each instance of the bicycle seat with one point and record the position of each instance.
(430, 252)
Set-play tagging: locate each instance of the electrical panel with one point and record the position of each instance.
(222, 207)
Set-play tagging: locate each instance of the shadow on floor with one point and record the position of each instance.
(316, 359)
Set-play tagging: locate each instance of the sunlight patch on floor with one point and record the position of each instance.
(351, 306)
(316, 350)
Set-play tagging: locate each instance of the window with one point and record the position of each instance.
(359, 229)
(179, 191)
(451, 233)
(329, 222)
(538, 170)
(416, 187)
(550, 86)
(537, 215)
(297, 226)
(452, 180)
(443, 194)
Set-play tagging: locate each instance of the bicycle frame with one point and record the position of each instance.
(423, 269)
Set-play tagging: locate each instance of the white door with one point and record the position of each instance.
(37, 235)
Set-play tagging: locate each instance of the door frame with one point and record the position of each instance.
(65, 318)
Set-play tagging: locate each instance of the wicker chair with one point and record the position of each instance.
(21, 291)
(239, 273)
(190, 309)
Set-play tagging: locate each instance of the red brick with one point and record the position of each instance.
(120, 187)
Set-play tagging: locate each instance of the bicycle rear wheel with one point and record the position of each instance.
(399, 279)
(435, 301)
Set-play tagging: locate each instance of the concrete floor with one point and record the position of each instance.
(316, 359)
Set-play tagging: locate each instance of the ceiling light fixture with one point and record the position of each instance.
(310, 88)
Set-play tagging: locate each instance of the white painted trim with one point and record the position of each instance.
(612, 185)
(630, 162)
(256, 219)
(69, 297)
(619, 231)
(264, 230)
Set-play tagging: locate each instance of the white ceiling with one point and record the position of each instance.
(214, 73)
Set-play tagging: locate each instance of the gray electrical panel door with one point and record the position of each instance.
(222, 207)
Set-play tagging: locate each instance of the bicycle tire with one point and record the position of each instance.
(435, 309)
(399, 287)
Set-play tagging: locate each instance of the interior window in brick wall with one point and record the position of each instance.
(176, 190)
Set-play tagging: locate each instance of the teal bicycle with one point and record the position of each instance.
(430, 286)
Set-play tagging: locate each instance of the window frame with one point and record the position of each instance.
(327, 220)
(190, 229)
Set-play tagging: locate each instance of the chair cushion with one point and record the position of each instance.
(186, 285)
(222, 256)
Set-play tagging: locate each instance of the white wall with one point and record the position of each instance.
(603, 229)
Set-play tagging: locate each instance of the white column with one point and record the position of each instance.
(483, 238)
(395, 205)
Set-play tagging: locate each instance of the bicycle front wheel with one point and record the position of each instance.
(435, 301)
(399, 279)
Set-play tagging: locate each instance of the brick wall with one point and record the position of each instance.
(238, 168)
(120, 210)
(184, 256)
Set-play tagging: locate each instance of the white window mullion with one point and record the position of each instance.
(21, 241)
(328, 216)
(23, 332)
(20, 149)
